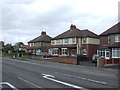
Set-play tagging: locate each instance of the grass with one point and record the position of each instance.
(19, 58)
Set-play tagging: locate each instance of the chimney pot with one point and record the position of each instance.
(43, 33)
(72, 27)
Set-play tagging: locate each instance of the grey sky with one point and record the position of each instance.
(24, 20)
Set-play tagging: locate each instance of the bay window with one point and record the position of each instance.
(115, 52)
(55, 51)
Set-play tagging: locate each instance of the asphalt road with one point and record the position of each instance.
(23, 74)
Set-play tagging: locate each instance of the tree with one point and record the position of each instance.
(8, 48)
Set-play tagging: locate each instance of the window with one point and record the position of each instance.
(66, 41)
(58, 41)
(36, 44)
(33, 44)
(55, 51)
(117, 38)
(84, 40)
(108, 39)
(107, 54)
(40, 44)
(115, 52)
(73, 40)
(64, 51)
(52, 42)
(101, 52)
(51, 51)
(30, 44)
(84, 51)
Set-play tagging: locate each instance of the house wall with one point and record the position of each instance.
(91, 49)
(62, 41)
(103, 40)
(90, 41)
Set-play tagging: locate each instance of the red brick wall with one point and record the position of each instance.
(65, 60)
(103, 40)
(113, 61)
(91, 49)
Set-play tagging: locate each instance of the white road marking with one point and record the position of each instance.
(7, 84)
(50, 77)
(29, 82)
(100, 82)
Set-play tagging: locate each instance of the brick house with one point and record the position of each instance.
(75, 41)
(110, 44)
(39, 44)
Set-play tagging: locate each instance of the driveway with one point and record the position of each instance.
(90, 64)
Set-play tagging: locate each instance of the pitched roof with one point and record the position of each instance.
(113, 30)
(74, 32)
(42, 38)
(87, 33)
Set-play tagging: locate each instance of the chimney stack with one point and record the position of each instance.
(72, 27)
(43, 33)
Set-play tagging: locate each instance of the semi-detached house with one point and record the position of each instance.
(75, 41)
(110, 44)
(39, 44)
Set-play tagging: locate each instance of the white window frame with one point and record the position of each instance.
(63, 51)
(117, 37)
(102, 52)
(55, 51)
(115, 52)
(51, 51)
(107, 51)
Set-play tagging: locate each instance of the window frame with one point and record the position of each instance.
(115, 52)
(117, 37)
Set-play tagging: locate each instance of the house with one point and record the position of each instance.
(75, 41)
(1, 45)
(110, 44)
(39, 44)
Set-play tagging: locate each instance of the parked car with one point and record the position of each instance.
(95, 57)
(43, 54)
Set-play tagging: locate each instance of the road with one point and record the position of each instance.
(22, 74)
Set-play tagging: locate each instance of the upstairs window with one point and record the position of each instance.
(108, 39)
(52, 42)
(73, 40)
(66, 41)
(84, 40)
(58, 41)
(117, 38)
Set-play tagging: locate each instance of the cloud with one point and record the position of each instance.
(27, 18)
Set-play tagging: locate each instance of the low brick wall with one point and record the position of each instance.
(112, 61)
(33, 57)
(69, 60)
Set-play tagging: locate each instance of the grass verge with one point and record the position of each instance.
(19, 58)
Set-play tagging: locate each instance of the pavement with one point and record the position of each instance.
(44, 74)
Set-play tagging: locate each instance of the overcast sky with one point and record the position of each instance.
(23, 20)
